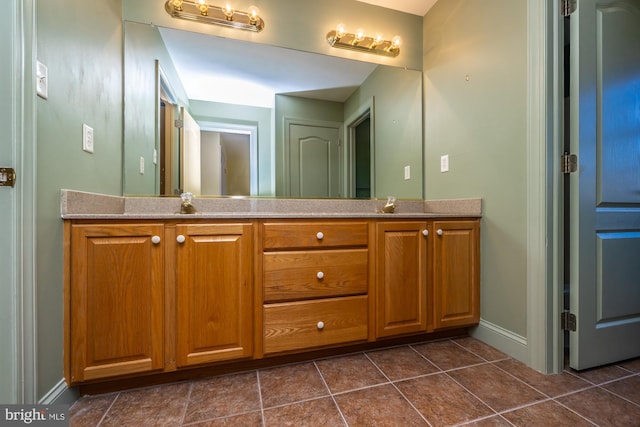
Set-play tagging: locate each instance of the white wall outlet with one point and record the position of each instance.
(407, 172)
(42, 80)
(444, 163)
(141, 165)
(87, 138)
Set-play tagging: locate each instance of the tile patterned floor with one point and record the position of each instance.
(458, 381)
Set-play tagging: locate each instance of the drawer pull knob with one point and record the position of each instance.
(180, 238)
(320, 275)
(439, 232)
(425, 232)
(320, 235)
(320, 325)
(155, 240)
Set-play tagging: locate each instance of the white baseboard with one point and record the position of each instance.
(512, 344)
(60, 394)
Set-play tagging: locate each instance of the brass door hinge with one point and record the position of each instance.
(7, 177)
(568, 163)
(179, 124)
(568, 7)
(568, 321)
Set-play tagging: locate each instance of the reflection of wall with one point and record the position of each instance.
(204, 111)
(397, 127)
(143, 45)
(481, 124)
(236, 173)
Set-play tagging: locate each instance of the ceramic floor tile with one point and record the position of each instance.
(288, 384)
(632, 365)
(378, 406)
(349, 372)
(251, 419)
(401, 362)
(495, 387)
(447, 355)
(442, 401)
(155, 406)
(222, 397)
(495, 421)
(628, 388)
(313, 413)
(601, 375)
(547, 413)
(88, 411)
(480, 349)
(603, 408)
(551, 385)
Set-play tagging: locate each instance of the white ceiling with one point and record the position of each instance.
(416, 7)
(236, 72)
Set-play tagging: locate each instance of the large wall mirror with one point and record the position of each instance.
(224, 117)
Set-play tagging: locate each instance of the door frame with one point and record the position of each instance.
(366, 110)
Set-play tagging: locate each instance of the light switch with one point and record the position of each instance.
(141, 165)
(87, 138)
(444, 163)
(42, 80)
(407, 172)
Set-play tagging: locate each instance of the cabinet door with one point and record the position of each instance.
(456, 271)
(116, 300)
(214, 293)
(401, 277)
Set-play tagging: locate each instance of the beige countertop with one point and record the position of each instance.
(83, 205)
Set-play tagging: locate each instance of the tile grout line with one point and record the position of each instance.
(398, 390)
(264, 421)
(186, 403)
(344, 419)
(108, 409)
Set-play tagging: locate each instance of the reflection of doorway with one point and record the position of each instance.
(360, 153)
(225, 166)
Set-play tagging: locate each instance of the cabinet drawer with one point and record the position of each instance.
(307, 324)
(315, 274)
(315, 234)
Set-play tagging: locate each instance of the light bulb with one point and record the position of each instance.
(228, 12)
(359, 35)
(395, 42)
(177, 4)
(377, 40)
(340, 31)
(203, 6)
(253, 15)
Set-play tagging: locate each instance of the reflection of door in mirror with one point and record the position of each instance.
(362, 156)
(225, 163)
(190, 154)
(167, 146)
(313, 159)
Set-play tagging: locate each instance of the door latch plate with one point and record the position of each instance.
(7, 177)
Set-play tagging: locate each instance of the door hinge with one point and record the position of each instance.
(568, 7)
(179, 124)
(568, 163)
(7, 177)
(568, 321)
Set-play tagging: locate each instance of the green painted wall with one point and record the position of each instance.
(397, 96)
(83, 52)
(143, 50)
(475, 74)
(204, 111)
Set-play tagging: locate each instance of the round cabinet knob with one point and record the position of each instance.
(425, 232)
(439, 232)
(180, 238)
(320, 275)
(320, 235)
(320, 325)
(155, 240)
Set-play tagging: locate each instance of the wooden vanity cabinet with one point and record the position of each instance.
(456, 273)
(402, 266)
(115, 297)
(315, 283)
(214, 283)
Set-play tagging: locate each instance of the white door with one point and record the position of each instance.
(314, 161)
(605, 191)
(190, 154)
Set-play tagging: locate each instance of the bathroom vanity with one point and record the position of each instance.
(149, 291)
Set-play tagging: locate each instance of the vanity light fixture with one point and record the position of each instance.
(362, 43)
(201, 11)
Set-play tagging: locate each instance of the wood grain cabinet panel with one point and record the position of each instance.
(116, 300)
(456, 273)
(213, 293)
(315, 234)
(401, 277)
